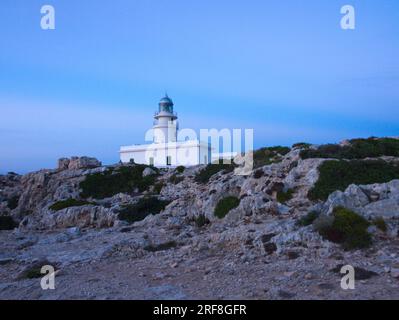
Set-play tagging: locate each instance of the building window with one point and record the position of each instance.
(168, 160)
(151, 161)
(205, 161)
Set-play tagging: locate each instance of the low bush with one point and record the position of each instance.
(12, 203)
(68, 203)
(224, 206)
(144, 207)
(258, 174)
(34, 270)
(175, 179)
(357, 149)
(201, 220)
(269, 155)
(347, 228)
(123, 179)
(180, 169)
(301, 145)
(308, 219)
(205, 174)
(158, 187)
(380, 223)
(7, 223)
(338, 175)
(284, 196)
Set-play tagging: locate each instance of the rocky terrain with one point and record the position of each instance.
(206, 232)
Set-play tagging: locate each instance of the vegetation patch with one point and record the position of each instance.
(338, 175)
(258, 174)
(12, 203)
(308, 219)
(380, 224)
(347, 228)
(68, 203)
(356, 149)
(205, 174)
(123, 179)
(144, 207)
(269, 155)
(180, 169)
(34, 270)
(201, 220)
(301, 145)
(175, 179)
(284, 196)
(158, 187)
(161, 247)
(225, 205)
(7, 223)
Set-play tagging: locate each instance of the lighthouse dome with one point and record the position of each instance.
(166, 104)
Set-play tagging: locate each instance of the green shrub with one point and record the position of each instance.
(68, 203)
(225, 205)
(34, 270)
(175, 179)
(161, 247)
(322, 222)
(201, 220)
(284, 196)
(205, 174)
(380, 223)
(338, 175)
(347, 228)
(357, 149)
(180, 169)
(7, 223)
(12, 203)
(158, 187)
(308, 219)
(258, 174)
(269, 155)
(123, 179)
(144, 207)
(301, 145)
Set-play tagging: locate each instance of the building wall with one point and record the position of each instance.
(185, 154)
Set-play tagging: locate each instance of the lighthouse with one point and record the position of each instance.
(166, 150)
(165, 122)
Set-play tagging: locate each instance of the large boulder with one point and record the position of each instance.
(78, 163)
(149, 172)
(374, 200)
(352, 198)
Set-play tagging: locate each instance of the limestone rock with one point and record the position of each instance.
(149, 172)
(83, 163)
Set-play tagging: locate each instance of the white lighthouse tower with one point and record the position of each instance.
(166, 150)
(165, 122)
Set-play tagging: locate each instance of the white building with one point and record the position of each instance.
(166, 150)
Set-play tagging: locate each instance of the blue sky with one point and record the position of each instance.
(284, 68)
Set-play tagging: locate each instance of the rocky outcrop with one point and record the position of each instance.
(375, 200)
(78, 163)
(259, 238)
(149, 172)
